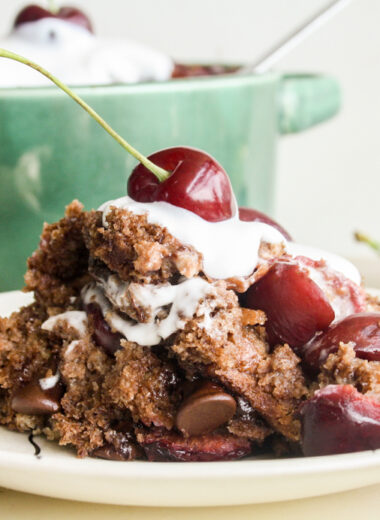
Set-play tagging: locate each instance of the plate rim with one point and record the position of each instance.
(244, 467)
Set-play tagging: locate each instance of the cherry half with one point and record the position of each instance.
(295, 305)
(103, 335)
(339, 419)
(33, 13)
(362, 328)
(196, 182)
(253, 215)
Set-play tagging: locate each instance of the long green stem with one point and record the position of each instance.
(160, 173)
(360, 237)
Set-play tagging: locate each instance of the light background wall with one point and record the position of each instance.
(328, 177)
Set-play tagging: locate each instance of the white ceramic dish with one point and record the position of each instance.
(58, 473)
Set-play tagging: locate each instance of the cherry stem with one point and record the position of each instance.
(360, 237)
(159, 172)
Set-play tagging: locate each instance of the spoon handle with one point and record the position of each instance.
(272, 56)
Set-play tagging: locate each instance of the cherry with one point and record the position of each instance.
(33, 13)
(165, 446)
(345, 296)
(103, 335)
(253, 215)
(363, 329)
(339, 419)
(295, 306)
(196, 182)
(190, 71)
(193, 179)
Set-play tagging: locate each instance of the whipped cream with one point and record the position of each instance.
(183, 300)
(335, 262)
(77, 57)
(77, 320)
(49, 382)
(117, 291)
(230, 248)
(72, 346)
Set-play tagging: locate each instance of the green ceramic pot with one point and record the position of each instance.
(51, 151)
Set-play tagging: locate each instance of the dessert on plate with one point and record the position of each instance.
(171, 325)
(157, 333)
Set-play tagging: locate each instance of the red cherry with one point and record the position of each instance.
(74, 15)
(295, 306)
(103, 335)
(196, 182)
(339, 419)
(165, 446)
(190, 71)
(345, 296)
(362, 328)
(253, 215)
(33, 13)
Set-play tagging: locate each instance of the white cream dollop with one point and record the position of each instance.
(336, 262)
(183, 299)
(49, 382)
(77, 57)
(72, 346)
(230, 248)
(77, 320)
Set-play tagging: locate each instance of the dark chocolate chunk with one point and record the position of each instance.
(31, 399)
(205, 410)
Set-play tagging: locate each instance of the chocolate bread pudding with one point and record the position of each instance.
(171, 325)
(143, 343)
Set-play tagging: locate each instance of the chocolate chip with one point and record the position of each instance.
(203, 411)
(33, 400)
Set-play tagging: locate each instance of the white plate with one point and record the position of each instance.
(58, 473)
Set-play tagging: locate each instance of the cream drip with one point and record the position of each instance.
(74, 319)
(230, 248)
(49, 382)
(335, 262)
(116, 290)
(183, 300)
(71, 346)
(227, 251)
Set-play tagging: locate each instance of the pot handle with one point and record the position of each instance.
(306, 100)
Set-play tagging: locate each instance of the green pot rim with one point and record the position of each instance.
(179, 84)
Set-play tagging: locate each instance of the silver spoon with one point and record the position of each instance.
(272, 56)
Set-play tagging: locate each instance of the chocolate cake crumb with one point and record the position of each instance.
(118, 399)
(344, 368)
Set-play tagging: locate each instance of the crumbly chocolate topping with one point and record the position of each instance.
(122, 403)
